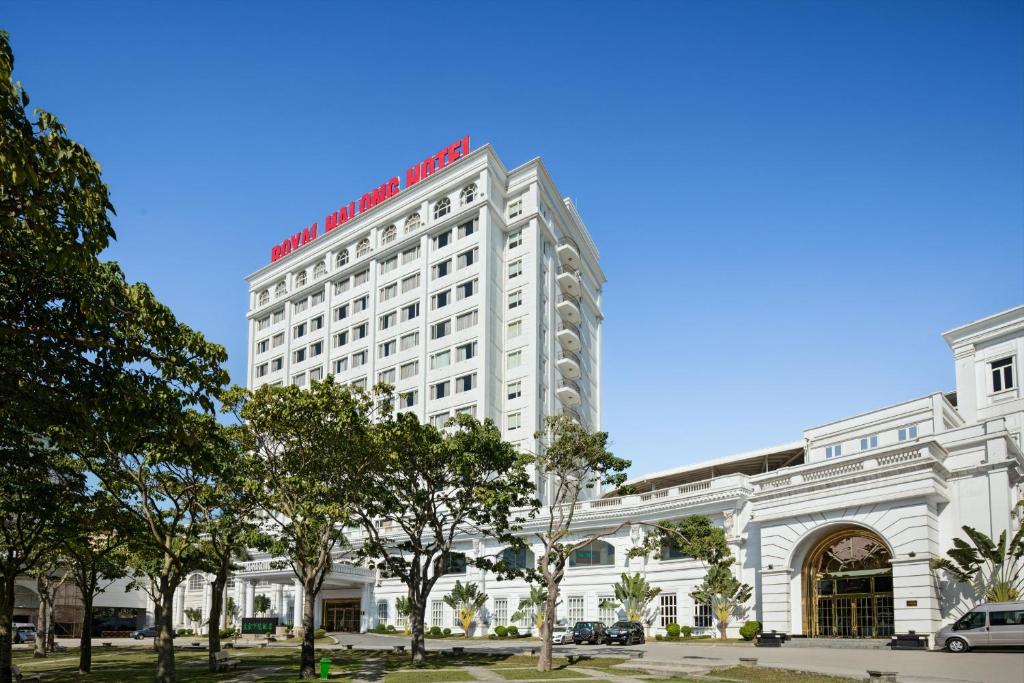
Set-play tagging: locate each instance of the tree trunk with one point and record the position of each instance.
(417, 610)
(308, 659)
(544, 663)
(85, 643)
(723, 627)
(216, 601)
(51, 621)
(165, 636)
(6, 618)
(41, 592)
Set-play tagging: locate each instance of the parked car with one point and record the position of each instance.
(625, 632)
(560, 635)
(588, 632)
(148, 632)
(24, 633)
(994, 624)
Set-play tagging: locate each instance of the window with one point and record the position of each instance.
(389, 235)
(702, 615)
(410, 283)
(668, 609)
(319, 270)
(515, 359)
(465, 383)
(264, 298)
(670, 550)
(515, 390)
(440, 390)
(514, 421)
(597, 553)
(358, 383)
(465, 352)
(466, 410)
(442, 208)
(607, 609)
(441, 269)
(316, 298)
(299, 355)
(299, 380)
(388, 348)
(386, 376)
(387, 265)
(520, 559)
(409, 341)
(389, 292)
(363, 248)
(315, 349)
(410, 255)
(262, 345)
(574, 608)
(467, 258)
(195, 582)
(340, 365)
(515, 239)
(466, 229)
(341, 312)
(833, 451)
(501, 611)
(1006, 618)
(412, 223)
(300, 306)
(515, 328)
(360, 304)
(361, 278)
(443, 239)
(341, 259)
(437, 613)
(465, 290)
(342, 286)
(316, 374)
(407, 399)
(515, 208)
(515, 299)
(277, 339)
(439, 420)
(262, 370)
(358, 359)
(441, 299)
(280, 290)
(316, 323)
(908, 432)
(515, 269)
(359, 331)
(466, 321)
(382, 606)
(277, 364)
(300, 279)
(409, 370)
(867, 442)
(278, 316)
(263, 323)
(468, 194)
(388, 320)
(441, 329)
(340, 339)
(299, 331)
(441, 359)
(411, 312)
(1002, 374)
(455, 563)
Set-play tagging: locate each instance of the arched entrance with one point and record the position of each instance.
(847, 581)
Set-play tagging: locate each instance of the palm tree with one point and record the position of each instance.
(634, 595)
(195, 616)
(404, 608)
(724, 592)
(466, 600)
(261, 604)
(533, 606)
(994, 569)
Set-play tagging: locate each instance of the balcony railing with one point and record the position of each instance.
(569, 336)
(568, 309)
(570, 284)
(568, 253)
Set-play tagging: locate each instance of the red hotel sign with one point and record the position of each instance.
(376, 196)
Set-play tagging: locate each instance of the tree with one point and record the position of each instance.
(467, 601)
(577, 461)
(995, 570)
(635, 595)
(195, 617)
(261, 604)
(421, 489)
(533, 607)
(230, 612)
(724, 592)
(302, 441)
(403, 607)
(50, 575)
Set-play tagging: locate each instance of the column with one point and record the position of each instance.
(915, 604)
(250, 598)
(298, 603)
(207, 605)
(317, 613)
(150, 610)
(279, 602)
(179, 606)
(775, 601)
(239, 598)
(368, 607)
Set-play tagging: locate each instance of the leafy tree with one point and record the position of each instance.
(577, 461)
(533, 606)
(420, 489)
(726, 594)
(261, 604)
(467, 600)
(50, 575)
(995, 570)
(635, 595)
(302, 441)
(403, 608)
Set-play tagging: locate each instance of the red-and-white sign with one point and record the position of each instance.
(374, 197)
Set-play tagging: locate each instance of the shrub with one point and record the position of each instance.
(750, 629)
(500, 631)
(687, 631)
(227, 632)
(319, 633)
(435, 631)
(184, 631)
(659, 637)
(390, 628)
(447, 631)
(513, 631)
(672, 630)
(380, 628)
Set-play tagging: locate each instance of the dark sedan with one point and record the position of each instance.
(588, 632)
(625, 632)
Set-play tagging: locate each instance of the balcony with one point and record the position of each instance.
(568, 309)
(568, 253)
(568, 392)
(569, 336)
(569, 364)
(569, 283)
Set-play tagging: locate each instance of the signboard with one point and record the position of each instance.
(415, 173)
(259, 625)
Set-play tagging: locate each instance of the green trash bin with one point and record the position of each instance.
(325, 669)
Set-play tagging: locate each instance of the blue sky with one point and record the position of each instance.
(792, 200)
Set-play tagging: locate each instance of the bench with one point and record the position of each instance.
(458, 650)
(19, 676)
(224, 661)
(107, 644)
(908, 641)
(772, 639)
(399, 649)
(748, 661)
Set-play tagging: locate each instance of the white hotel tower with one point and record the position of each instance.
(475, 290)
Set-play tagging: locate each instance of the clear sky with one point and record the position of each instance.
(792, 199)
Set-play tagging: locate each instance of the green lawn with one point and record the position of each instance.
(760, 674)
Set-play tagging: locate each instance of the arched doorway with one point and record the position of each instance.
(847, 580)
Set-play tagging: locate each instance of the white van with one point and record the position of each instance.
(994, 624)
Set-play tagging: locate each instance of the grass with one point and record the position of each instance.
(760, 674)
(428, 676)
(533, 674)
